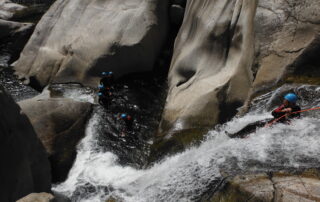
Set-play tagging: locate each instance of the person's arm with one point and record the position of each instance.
(278, 112)
(287, 110)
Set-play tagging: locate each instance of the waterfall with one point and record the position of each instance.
(97, 174)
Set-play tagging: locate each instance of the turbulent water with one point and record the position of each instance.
(97, 174)
(13, 86)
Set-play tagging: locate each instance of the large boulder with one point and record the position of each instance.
(78, 39)
(25, 166)
(37, 197)
(44, 197)
(287, 43)
(60, 124)
(211, 65)
(276, 187)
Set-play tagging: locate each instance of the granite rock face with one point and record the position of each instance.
(78, 39)
(277, 187)
(25, 168)
(60, 124)
(211, 65)
(287, 42)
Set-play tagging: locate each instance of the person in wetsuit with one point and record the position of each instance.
(107, 79)
(105, 89)
(128, 123)
(288, 109)
(282, 114)
(104, 95)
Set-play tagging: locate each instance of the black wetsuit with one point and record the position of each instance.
(107, 81)
(105, 97)
(127, 127)
(277, 113)
(252, 127)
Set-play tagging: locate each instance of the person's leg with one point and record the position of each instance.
(250, 128)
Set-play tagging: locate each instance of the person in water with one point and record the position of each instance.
(283, 114)
(288, 109)
(107, 79)
(128, 123)
(105, 88)
(104, 95)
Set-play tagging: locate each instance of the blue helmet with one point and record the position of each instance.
(110, 73)
(291, 97)
(99, 94)
(101, 86)
(123, 116)
(104, 73)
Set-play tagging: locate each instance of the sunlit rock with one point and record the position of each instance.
(78, 39)
(272, 187)
(210, 74)
(37, 197)
(287, 43)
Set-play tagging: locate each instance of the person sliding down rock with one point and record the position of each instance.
(104, 96)
(283, 114)
(287, 110)
(128, 123)
(107, 79)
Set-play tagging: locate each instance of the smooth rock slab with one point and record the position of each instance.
(60, 124)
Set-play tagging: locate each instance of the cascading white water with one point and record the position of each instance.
(187, 175)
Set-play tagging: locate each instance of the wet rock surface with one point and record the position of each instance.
(25, 168)
(15, 87)
(278, 187)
